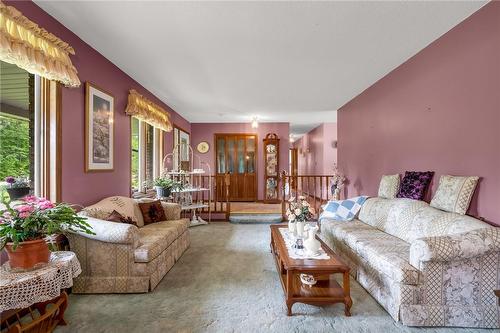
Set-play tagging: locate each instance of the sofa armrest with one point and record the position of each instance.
(172, 210)
(112, 232)
(455, 247)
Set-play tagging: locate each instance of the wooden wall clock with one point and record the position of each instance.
(271, 167)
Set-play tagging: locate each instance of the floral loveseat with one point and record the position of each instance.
(426, 267)
(124, 258)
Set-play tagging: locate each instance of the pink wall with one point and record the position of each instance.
(438, 111)
(205, 132)
(322, 156)
(78, 186)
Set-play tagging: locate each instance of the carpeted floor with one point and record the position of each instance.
(226, 282)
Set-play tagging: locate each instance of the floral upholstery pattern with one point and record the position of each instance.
(414, 184)
(156, 237)
(389, 186)
(123, 205)
(454, 193)
(426, 267)
(122, 258)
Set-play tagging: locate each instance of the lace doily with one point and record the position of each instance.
(294, 253)
(21, 289)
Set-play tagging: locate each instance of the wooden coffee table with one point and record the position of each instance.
(326, 291)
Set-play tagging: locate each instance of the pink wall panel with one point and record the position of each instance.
(321, 156)
(78, 186)
(205, 132)
(439, 111)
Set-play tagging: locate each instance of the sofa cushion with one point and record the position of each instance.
(454, 193)
(383, 252)
(414, 184)
(389, 186)
(102, 209)
(152, 212)
(156, 237)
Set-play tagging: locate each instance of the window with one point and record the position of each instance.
(134, 143)
(146, 154)
(29, 135)
(16, 122)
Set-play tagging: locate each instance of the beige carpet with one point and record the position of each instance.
(226, 282)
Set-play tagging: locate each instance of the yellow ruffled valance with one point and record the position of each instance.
(145, 110)
(26, 45)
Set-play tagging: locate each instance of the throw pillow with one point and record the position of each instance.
(342, 210)
(152, 212)
(389, 186)
(414, 184)
(454, 193)
(117, 217)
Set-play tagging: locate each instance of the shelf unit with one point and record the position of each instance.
(188, 178)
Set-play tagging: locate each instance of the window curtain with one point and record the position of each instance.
(147, 111)
(26, 45)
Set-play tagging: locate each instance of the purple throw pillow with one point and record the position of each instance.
(414, 184)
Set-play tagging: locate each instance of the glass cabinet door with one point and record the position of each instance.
(250, 154)
(230, 154)
(240, 154)
(221, 155)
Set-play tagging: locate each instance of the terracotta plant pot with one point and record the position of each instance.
(28, 254)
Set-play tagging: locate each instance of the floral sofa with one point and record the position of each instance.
(124, 258)
(426, 267)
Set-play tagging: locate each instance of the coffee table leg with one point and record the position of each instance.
(289, 292)
(347, 295)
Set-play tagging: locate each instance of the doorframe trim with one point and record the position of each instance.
(214, 143)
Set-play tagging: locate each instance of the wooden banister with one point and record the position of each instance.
(314, 187)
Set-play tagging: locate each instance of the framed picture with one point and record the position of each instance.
(99, 130)
(182, 138)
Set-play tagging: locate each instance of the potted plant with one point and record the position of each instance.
(26, 226)
(165, 185)
(17, 187)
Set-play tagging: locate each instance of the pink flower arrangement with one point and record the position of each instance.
(36, 218)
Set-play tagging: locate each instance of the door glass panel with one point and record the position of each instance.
(221, 156)
(230, 154)
(250, 155)
(241, 155)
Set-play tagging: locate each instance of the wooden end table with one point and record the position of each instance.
(326, 291)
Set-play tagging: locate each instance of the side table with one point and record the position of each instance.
(36, 288)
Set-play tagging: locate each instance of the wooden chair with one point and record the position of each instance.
(45, 317)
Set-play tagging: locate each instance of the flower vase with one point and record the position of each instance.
(291, 227)
(300, 228)
(311, 244)
(336, 194)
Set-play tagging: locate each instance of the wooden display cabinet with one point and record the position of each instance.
(271, 168)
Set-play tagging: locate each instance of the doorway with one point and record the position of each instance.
(236, 154)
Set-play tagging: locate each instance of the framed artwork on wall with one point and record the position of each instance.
(99, 129)
(182, 142)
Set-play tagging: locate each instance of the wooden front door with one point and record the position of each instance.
(236, 154)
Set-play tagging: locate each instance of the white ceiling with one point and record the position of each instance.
(295, 62)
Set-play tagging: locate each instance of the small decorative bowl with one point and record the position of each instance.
(307, 279)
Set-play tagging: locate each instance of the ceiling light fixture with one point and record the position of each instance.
(255, 122)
